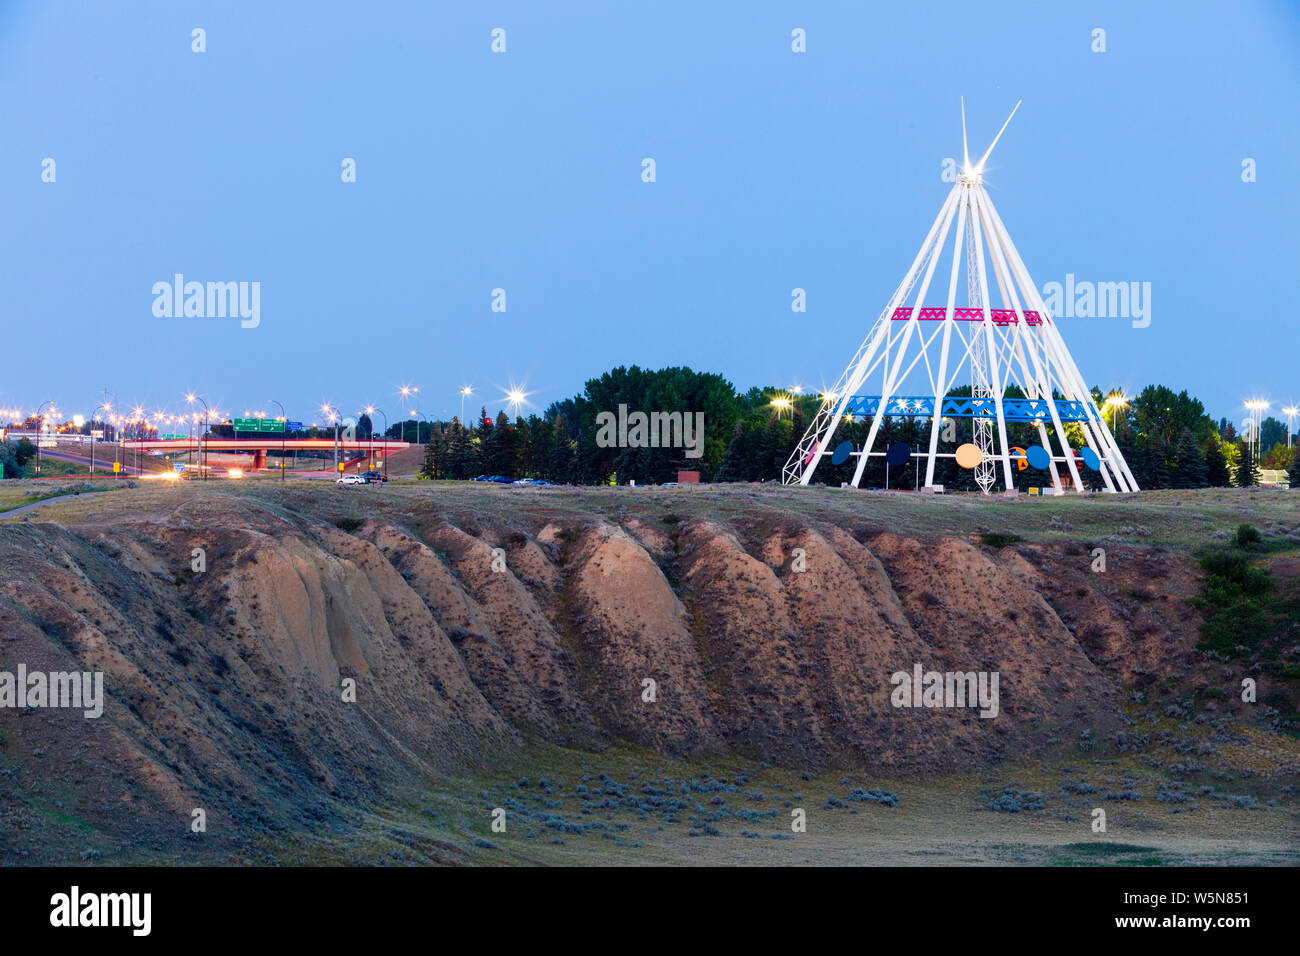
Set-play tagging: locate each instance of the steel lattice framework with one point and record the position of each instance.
(1016, 344)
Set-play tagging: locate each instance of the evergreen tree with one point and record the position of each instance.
(1216, 466)
(458, 459)
(523, 438)
(499, 451)
(1247, 469)
(434, 453)
(1191, 470)
(729, 469)
(559, 459)
(1294, 474)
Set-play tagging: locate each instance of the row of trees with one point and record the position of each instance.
(1167, 438)
(14, 456)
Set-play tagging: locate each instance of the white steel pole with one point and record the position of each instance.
(1044, 386)
(941, 384)
(1070, 377)
(856, 372)
(991, 349)
(891, 374)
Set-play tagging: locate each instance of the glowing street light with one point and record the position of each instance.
(371, 410)
(516, 396)
(1257, 407)
(1115, 402)
(1291, 413)
(98, 408)
(332, 416)
(464, 391)
(40, 419)
(191, 398)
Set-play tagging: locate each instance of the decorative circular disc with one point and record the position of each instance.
(841, 453)
(1038, 457)
(969, 455)
(1018, 454)
(1091, 460)
(899, 453)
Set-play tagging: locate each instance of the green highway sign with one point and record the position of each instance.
(258, 425)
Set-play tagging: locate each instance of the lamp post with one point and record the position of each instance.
(371, 410)
(105, 407)
(1291, 414)
(207, 412)
(1115, 402)
(465, 390)
(515, 397)
(1256, 407)
(284, 418)
(332, 416)
(40, 419)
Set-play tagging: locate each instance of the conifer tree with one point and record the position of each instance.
(1247, 469)
(1190, 469)
(1216, 466)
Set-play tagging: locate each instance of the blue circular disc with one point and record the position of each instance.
(899, 453)
(841, 453)
(1038, 457)
(1090, 459)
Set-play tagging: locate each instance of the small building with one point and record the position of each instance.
(1273, 478)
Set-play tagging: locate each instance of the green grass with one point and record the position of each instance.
(15, 495)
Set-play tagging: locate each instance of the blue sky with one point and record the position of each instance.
(522, 171)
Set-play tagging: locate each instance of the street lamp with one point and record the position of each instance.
(332, 417)
(207, 412)
(1256, 407)
(464, 390)
(138, 412)
(39, 420)
(371, 410)
(284, 418)
(105, 407)
(415, 413)
(1290, 414)
(1115, 402)
(515, 397)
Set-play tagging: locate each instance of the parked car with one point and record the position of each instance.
(375, 477)
(351, 480)
(502, 480)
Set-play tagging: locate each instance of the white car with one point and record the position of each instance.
(351, 480)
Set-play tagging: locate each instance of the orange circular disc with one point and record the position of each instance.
(968, 455)
(1021, 462)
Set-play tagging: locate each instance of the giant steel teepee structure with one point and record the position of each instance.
(915, 355)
